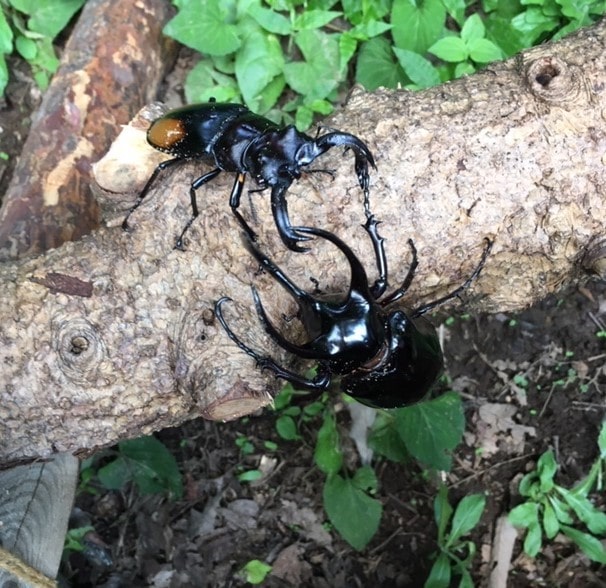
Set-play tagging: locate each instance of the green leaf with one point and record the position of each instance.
(442, 512)
(456, 9)
(533, 540)
(49, 18)
(484, 51)
(432, 429)
(473, 29)
(250, 476)
(589, 545)
(466, 516)
(602, 441)
(353, 513)
(256, 571)
(463, 69)
(287, 428)
(376, 66)
(319, 74)
(585, 510)
(304, 117)
(258, 62)
(365, 479)
(27, 48)
(550, 521)
(439, 577)
(417, 68)
(561, 510)
(347, 49)
(271, 21)
(203, 26)
(205, 82)
(546, 468)
(532, 24)
(417, 25)
(450, 49)
(314, 19)
(6, 35)
(524, 515)
(327, 453)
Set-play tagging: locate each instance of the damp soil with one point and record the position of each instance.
(529, 382)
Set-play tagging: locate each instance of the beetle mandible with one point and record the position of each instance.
(237, 140)
(385, 358)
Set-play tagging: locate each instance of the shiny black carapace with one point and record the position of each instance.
(385, 358)
(235, 139)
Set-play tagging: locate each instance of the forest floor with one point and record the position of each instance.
(529, 381)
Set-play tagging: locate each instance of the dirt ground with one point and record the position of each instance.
(529, 382)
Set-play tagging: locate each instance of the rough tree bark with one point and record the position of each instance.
(114, 336)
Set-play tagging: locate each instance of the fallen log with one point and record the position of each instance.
(113, 63)
(114, 336)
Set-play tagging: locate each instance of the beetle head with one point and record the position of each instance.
(404, 370)
(276, 157)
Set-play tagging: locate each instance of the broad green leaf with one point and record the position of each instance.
(532, 24)
(203, 26)
(451, 49)
(354, 514)
(524, 515)
(466, 516)
(484, 51)
(319, 74)
(384, 439)
(6, 35)
(205, 82)
(456, 9)
(432, 429)
(589, 545)
(250, 476)
(473, 29)
(258, 62)
(314, 19)
(464, 68)
(49, 18)
(377, 67)
(271, 21)
(417, 68)
(439, 577)
(417, 25)
(27, 48)
(347, 48)
(304, 117)
(327, 453)
(152, 465)
(287, 428)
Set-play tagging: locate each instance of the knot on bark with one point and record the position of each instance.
(553, 81)
(80, 349)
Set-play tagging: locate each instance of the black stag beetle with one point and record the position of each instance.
(243, 142)
(385, 358)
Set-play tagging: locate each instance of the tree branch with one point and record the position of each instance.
(114, 336)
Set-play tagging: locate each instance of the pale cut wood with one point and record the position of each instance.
(115, 336)
(35, 503)
(112, 64)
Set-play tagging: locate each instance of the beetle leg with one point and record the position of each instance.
(279, 209)
(378, 288)
(234, 203)
(319, 383)
(160, 167)
(458, 291)
(399, 292)
(196, 184)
